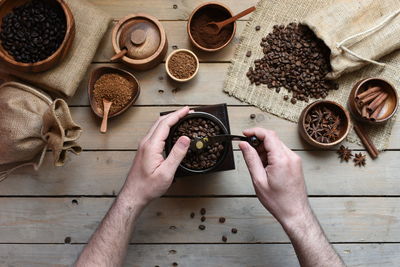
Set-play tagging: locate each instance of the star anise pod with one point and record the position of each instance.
(314, 131)
(344, 153)
(359, 159)
(317, 115)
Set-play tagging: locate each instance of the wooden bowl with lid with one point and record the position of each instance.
(6, 6)
(390, 106)
(338, 110)
(96, 74)
(139, 40)
(224, 11)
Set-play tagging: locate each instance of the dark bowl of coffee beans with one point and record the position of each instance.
(35, 35)
(324, 124)
(199, 125)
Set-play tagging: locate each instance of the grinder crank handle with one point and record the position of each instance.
(252, 140)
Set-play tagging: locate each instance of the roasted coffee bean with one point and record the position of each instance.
(202, 211)
(174, 264)
(248, 54)
(234, 230)
(192, 215)
(293, 100)
(294, 58)
(200, 128)
(34, 31)
(286, 97)
(224, 238)
(202, 227)
(202, 218)
(252, 116)
(221, 220)
(258, 27)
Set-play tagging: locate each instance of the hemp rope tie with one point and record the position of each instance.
(366, 33)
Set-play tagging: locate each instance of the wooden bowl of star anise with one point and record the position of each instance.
(324, 124)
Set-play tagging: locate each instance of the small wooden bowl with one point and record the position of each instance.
(184, 51)
(6, 7)
(391, 104)
(204, 6)
(96, 74)
(147, 61)
(336, 107)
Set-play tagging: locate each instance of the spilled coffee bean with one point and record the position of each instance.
(221, 220)
(202, 227)
(192, 215)
(202, 218)
(234, 230)
(294, 58)
(224, 238)
(202, 211)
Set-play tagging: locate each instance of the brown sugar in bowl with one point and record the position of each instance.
(335, 107)
(6, 6)
(96, 74)
(217, 12)
(152, 47)
(391, 104)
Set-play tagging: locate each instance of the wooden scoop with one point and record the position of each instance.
(215, 27)
(106, 109)
(137, 37)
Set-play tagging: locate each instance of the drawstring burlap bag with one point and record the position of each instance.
(31, 123)
(357, 32)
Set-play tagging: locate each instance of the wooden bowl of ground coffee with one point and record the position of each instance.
(115, 85)
(198, 30)
(182, 65)
(194, 125)
(35, 35)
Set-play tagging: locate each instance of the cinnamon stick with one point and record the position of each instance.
(368, 98)
(376, 113)
(377, 101)
(364, 112)
(367, 92)
(366, 141)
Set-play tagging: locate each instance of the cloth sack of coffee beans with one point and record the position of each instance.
(31, 123)
(63, 80)
(357, 32)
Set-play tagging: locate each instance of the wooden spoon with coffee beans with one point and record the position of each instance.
(199, 144)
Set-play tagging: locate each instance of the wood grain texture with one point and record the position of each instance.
(163, 10)
(126, 131)
(177, 38)
(98, 173)
(255, 255)
(167, 220)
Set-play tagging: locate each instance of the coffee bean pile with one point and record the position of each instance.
(294, 58)
(199, 128)
(33, 31)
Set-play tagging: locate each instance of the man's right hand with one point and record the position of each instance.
(277, 176)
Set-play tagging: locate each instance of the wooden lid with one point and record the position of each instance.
(141, 36)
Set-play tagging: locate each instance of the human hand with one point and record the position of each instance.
(277, 176)
(151, 175)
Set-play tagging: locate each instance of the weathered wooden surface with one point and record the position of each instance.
(238, 255)
(167, 220)
(98, 173)
(163, 10)
(37, 208)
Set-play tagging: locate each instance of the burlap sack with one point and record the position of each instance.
(357, 32)
(31, 123)
(90, 24)
(272, 12)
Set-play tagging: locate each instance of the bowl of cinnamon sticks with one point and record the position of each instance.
(373, 100)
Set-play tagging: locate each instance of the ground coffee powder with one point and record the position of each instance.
(202, 34)
(114, 88)
(182, 65)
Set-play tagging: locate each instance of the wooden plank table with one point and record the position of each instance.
(47, 217)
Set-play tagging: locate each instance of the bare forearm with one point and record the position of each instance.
(109, 243)
(310, 243)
